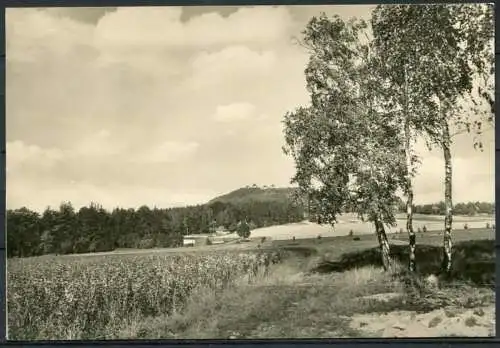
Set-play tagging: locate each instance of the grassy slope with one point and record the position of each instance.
(294, 302)
(348, 222)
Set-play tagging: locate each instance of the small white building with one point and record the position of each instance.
(197, 239)
(188, 242)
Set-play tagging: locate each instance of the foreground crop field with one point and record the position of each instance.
(83, 298)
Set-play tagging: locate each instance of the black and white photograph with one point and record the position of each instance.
(250, 172)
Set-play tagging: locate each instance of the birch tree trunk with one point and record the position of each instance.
(409, 222)
(448, 220)
(409, 187)
(384, 244)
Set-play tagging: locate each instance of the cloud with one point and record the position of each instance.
(32, 33)
(109, 196)
(240, 56)
(473, 171)
(170, 151)
(473, 180)
(99, 144)
(19, 154)
(234, 112)
(230, 67)
(162, 27)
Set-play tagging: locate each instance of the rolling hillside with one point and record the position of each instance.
(256, 194)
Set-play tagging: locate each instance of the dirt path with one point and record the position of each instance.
(479, 322)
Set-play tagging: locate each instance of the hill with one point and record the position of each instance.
(256, 194)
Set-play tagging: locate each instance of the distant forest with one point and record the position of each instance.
(470, 209)
(94, 229)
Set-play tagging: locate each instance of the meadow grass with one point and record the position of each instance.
(301, 306)
(296, 301)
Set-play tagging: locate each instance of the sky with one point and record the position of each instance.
(170, 106)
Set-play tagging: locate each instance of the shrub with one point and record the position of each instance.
(243, 229)
(146, 243)
(466, 226)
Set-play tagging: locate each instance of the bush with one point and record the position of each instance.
(319, 236)
(243, 229)
(233, 227)
(466, 226)
(146, 243)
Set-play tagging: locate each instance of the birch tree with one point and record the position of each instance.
(346, 149)
(444, 49)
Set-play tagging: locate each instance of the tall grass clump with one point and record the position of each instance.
(91, 297)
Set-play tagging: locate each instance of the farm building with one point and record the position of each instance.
(209, 238)
(188, 242)
(196, 239)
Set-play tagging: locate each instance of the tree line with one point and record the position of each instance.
(421, 71)
(468, 209)
(438, 208)
(94, 229)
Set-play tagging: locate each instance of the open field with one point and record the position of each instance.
(309, 230)
(240, 293)
(350, 222)
(335, 246)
